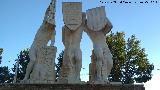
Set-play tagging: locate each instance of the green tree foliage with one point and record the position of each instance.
(23, 58)
(130, 63)
(59, 64)
(5, 75)
(1, 50)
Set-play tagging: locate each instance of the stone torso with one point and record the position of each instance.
(42, 37)
(72, 39)
(98, 38)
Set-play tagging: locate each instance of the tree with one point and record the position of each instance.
(130, 63)
(23, 58)
(5, 75)
(59, 64)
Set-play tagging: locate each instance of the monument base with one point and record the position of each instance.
(70, 87)
(37, 82)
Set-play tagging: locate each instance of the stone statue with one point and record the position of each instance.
(97, 27)
(71, 37)
(39, 51)
(42, 57)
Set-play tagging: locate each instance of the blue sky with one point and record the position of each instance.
(20, 19)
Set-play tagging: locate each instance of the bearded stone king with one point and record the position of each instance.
(41, 65)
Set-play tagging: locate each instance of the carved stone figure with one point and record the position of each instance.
(72, 59)
(102, 63)
(39, 51)
(71, 37)
(43, 71)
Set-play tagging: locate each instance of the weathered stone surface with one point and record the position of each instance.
(72, 59)
(96, 18)
(43, 71)
(72, 14)
(50, 13)
(102, 62)
(42, 56)
(44, 67)
(70, 87)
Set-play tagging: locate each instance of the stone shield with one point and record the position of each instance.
(72, 14)
(96, 18)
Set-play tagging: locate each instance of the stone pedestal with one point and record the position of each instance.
(70, 87)
(44, 67)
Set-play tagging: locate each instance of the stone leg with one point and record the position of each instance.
(92, 68)
(67, 68)
(99, 55)
(104, 69)
(67, 59)
(78, 64)
(108, 57)
(72, 63)
(32, 55)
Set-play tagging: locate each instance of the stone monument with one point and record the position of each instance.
(40, 72)
(42, 57)
(97, 26)
(71, 38)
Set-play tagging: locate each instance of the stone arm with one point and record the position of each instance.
(66, 36)
(108, 27)
(50, 13)
(50, 18)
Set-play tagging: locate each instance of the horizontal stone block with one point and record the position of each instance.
(71, 87)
